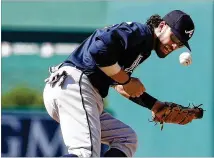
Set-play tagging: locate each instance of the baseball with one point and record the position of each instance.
(185, 58)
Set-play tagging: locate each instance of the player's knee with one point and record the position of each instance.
(133, 140)
(127, 143)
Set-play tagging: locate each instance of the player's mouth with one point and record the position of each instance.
(166, 49)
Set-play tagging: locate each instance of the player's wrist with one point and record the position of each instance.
(126, 82)
(145, 100)
(158, 105)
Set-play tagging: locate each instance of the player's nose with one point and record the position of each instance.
(174, 46)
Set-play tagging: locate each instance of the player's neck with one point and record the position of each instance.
(154, 43)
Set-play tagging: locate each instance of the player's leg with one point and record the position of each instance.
(120, 137)
(70, 155)
(77, 107)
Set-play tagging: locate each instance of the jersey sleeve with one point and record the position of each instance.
(110, 45)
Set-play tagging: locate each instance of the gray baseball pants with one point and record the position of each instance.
(79, 109)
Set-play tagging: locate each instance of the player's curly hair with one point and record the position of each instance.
(154, 21)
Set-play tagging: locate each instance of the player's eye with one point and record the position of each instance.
(175, 40)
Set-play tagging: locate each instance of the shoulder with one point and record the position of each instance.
(145, 29)
(142, 29)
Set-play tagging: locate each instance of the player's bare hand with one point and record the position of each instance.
(134, 88)
(120, 89)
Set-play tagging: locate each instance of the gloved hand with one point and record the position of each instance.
(173, 113)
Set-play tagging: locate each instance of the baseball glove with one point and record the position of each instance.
(177, 114)
(56, 75)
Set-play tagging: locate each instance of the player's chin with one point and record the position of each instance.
(159, 50)
(161, 53)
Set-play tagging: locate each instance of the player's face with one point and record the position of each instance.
(166, 41)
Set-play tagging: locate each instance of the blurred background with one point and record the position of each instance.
(39, 34)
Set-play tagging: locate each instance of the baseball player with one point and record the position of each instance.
(74, 92)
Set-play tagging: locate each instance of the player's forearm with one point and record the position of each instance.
(149, 102)
(116, 73)
(146, 100)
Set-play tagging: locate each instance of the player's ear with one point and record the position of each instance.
(161, 25)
